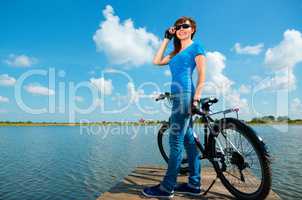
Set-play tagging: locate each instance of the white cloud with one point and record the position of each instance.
(39, 90)
(103, 85)
(133, 94)
(7, 80)
(244, 89)
(216, 80)
(218, 83)
(153, 95)
(78, 98)
(296, 106)
(20, 60)
(119, 99)
(98, 102)
(287, 53)
(282, 59)
(4, 99)
(282, 80)
(167, 72)
(122, 42)
(256, 78)
(251, 50)
(234, 100)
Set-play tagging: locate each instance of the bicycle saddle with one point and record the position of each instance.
(208, 101)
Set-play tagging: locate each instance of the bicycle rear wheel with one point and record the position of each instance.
(163, 145)
(245, 169)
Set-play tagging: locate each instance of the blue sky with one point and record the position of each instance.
(254, 50)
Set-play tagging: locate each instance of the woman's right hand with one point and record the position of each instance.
(169, 33)
(158, 58)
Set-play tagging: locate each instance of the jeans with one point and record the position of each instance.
(180, 136)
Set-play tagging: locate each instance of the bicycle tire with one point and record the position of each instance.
(262, 155)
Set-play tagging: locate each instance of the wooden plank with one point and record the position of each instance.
(144, 176)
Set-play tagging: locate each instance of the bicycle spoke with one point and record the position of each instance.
(249, 152)
(229, 173)
(246, 180)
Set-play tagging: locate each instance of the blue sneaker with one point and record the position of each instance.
(184, 188)
(156, 192)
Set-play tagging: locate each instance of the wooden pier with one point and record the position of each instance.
(132, 185)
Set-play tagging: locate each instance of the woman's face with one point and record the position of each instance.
(184, 30)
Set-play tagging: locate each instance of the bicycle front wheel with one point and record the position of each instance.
(163, 145)
(245, 168)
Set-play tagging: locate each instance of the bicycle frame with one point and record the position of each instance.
(210, 132)
(208, 152)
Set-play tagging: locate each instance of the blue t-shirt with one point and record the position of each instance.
(182, 66)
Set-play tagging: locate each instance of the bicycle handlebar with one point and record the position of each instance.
(163, 96)
(205, 104)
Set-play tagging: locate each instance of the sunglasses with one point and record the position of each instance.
(184, 26)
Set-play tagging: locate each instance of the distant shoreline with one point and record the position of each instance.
(76, 124)
(148, 123)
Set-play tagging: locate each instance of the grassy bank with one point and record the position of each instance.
(79, 124)
(145, 123)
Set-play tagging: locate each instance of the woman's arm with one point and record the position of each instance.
(201, 69)
(158, 58)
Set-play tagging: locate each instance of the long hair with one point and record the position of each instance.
(176, 41)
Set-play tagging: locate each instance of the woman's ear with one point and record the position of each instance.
(193, 30)
(192, 33)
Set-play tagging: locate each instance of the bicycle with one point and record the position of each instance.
(227, 156)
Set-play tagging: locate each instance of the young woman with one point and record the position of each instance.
(182, 61)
